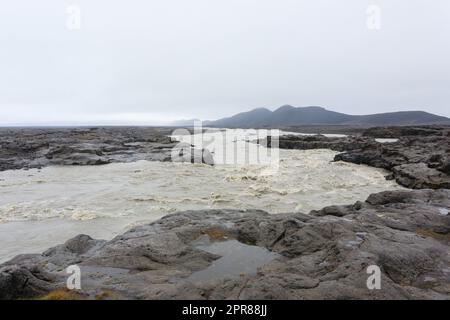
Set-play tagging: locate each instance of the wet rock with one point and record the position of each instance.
(79, 159)
(323, 255)
(337, 211)
(403, 131)
(420, 176)
(319, 142)
(416, 160)
(443, 163)
(24, 148)
(19, 281)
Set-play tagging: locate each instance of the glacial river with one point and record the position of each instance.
(42, 208)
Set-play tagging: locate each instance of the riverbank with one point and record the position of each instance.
(321, 254)
(418, 157)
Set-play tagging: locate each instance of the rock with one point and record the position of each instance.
(319, 142)
(18, 281)
(323, 255)
(443, 163)
(403, 131)
(79, 159)
(24, 148)
(431, 150)
(415, 160)
(337, 211)
(420, 176)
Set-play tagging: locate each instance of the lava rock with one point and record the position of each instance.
(323, 255)
(25, 148)
(415, 160)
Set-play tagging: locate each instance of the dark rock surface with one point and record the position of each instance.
(403, 131)
(320, 255)
(323, 255)
(25, 148)
(416, 160)
(329, 129)
(320, 142)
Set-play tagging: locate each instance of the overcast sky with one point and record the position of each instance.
(150, 61)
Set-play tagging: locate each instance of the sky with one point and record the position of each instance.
(151, 62)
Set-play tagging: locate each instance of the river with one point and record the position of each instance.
(41, 208)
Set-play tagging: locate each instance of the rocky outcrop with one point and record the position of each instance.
(405, 131)
(341, 144)
(420, 176)
(25, 148)
(231, 254)
(416, 161)
(323, 255)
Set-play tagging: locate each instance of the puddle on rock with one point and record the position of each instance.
(237, 259)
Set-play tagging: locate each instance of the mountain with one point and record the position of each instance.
(292, 116)
(253, 118)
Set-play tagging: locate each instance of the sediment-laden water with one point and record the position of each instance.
(41, 208)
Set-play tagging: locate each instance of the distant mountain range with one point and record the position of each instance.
(292, 116)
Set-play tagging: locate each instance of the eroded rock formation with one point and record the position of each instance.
(323, 255)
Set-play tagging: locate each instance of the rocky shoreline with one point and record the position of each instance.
(230, 254)
(323, 255)
(419, 159)
(27, 148)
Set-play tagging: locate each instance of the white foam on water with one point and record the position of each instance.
(103, 201)
(386, 140)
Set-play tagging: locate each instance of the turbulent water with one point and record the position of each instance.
(41, 208)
